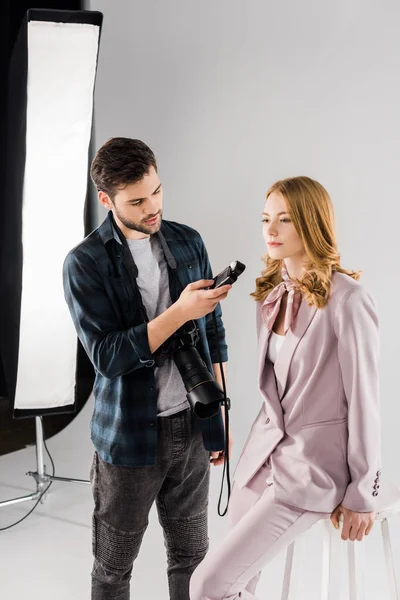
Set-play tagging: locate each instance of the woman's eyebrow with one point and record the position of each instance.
(280, 213)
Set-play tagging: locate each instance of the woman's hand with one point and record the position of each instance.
(355, 524)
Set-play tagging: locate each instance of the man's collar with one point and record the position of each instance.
(108, 229)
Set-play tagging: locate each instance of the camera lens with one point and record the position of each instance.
(203, 392)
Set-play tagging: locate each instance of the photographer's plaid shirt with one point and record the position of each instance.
(104, 302)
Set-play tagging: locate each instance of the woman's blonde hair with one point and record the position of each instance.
(311, 211)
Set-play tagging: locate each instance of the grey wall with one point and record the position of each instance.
(232, 95)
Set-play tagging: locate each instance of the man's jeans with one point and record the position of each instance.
(123, 496)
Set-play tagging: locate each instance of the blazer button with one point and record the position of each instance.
(376, 487)
(375, 493)
(378, 473)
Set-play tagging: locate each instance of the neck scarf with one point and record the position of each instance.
(272, 303)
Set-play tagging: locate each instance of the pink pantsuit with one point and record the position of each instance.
(314, 444)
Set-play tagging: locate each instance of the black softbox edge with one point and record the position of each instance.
(17, 117)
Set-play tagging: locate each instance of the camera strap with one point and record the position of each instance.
(130, 267)
(171, 261)
(170, 258)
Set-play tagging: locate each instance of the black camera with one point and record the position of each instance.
(203, 392)
(186, 336)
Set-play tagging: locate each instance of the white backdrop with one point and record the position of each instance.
(231, 96)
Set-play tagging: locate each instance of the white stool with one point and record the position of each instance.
(390, 505)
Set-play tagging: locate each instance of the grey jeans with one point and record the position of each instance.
(123, 496)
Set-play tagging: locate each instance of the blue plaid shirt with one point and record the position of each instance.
(104, 302)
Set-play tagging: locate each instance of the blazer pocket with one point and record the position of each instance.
(326, 423)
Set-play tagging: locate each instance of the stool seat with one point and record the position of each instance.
(388, 506)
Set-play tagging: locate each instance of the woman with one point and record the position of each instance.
(314, 447)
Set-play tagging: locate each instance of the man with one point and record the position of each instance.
(126, 302)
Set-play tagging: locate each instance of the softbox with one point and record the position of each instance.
(51, 85)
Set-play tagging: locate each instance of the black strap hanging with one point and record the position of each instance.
(226, 401)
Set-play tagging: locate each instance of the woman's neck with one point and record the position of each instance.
(295, 267)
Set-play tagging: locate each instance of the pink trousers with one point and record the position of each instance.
(259, 528)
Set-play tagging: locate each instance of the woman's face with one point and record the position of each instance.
(279, 233)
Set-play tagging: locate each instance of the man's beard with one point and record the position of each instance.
(141, 227)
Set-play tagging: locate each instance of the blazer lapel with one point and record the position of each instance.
(266, 378)
(263, 338)
(301, 323)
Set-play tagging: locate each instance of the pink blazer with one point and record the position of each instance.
(319, 420)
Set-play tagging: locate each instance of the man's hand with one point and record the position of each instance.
(355, 524)
(217, 458)
(196, 302)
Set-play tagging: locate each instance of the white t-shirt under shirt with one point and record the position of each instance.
(153, 284)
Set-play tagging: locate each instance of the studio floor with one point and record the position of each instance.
(48, 555)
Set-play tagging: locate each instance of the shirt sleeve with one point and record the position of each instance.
(210, 329)
(113, 352)
(356, 325)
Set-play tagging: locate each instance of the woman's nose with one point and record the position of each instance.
(271, 229)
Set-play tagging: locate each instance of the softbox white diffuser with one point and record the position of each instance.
(61, 69)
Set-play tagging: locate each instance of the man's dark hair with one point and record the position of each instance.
(119, 162)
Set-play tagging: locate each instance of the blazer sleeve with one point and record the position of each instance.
(356, 325)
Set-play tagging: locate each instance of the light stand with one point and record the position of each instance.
(40, 475)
